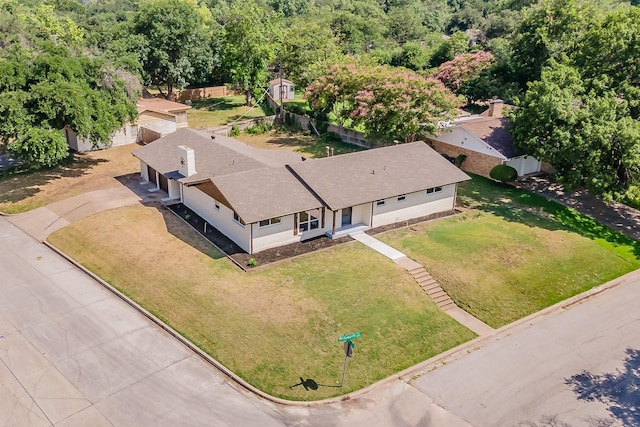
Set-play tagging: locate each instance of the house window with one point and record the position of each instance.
(380, 203)
(237, 218)
(434, 190)
(270, 221)
(402, 198)
(309, 220)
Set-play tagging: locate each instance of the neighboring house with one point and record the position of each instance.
(281, 89)
(266, 198)
(157, 117)
(486, 142)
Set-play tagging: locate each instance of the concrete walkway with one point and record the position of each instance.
(41, 222)
(476, 325)
(377, 245)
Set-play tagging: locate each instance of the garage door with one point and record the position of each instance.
(164, 184)
(152, 174)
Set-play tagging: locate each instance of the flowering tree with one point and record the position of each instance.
(390, 103)
(464, 68)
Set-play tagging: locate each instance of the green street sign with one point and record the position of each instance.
(349, 337)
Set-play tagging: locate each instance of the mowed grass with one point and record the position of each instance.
(274, 325)
(307, 145)
(514, 253)
(95, 170)
(213, 112)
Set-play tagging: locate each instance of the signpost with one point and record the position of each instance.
(348, 350)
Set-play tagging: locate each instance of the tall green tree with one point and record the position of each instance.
(587, 135)
(178, 42)
(250, 35)
(390, 103)
(47, 88)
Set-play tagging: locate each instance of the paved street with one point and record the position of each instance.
(73, 354)
(533, 372)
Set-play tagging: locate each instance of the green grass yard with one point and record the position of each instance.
(214, 112)
(274, 325)
(515, 253)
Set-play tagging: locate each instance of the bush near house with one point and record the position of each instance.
(503, 173)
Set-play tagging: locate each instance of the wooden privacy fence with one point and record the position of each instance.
(204, 93)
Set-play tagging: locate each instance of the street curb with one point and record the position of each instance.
(406, 375)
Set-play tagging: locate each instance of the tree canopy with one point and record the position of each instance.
(389, 103)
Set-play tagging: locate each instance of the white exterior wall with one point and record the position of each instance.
(174, 189)
(459, 136)
(221, 219)
(360, 214)
(415, 205)
(524, 164)
(144, 171)
(127, 135)
(274, 235)
(288, 91)
(163, 127)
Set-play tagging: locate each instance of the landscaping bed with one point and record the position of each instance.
(242, 258)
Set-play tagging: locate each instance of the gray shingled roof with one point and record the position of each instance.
(365, 176)
(265, 193)
(214, 157)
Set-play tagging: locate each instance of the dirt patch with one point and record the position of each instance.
(275, 140)
(95, 170)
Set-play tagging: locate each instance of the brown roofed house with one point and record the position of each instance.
(485, 140)
(267, 198)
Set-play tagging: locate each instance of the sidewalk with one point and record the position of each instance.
(615, 215)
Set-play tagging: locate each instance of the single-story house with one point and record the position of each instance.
(267, 198)
(485, 140)
(281, 89)
(157, 117)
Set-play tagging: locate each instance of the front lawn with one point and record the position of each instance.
(514, 253)
(276, 325)
(214, 112)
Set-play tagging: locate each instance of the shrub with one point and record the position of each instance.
(235, 131)
(459, 160)
(503, 173)
(259, 128)
(252, 262)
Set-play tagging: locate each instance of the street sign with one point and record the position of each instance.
(349, 337)
(348, 348)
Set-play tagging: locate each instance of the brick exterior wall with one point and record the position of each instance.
(480, 164)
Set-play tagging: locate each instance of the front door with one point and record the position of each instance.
(346, 216)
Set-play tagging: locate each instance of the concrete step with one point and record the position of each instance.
(428, 284)
(441, 299)
(421, 275)
(412, 271)
(435, 293)
(447, 306)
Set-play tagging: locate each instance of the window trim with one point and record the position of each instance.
(270, 222)
(309, 221)
(237, 219)
(434, 190)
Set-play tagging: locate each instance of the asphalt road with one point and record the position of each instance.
(73, 354)
(579, 366)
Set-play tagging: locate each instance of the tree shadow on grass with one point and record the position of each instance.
(619, 390)
(522, 206)
(21, 183)
(215, 104)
